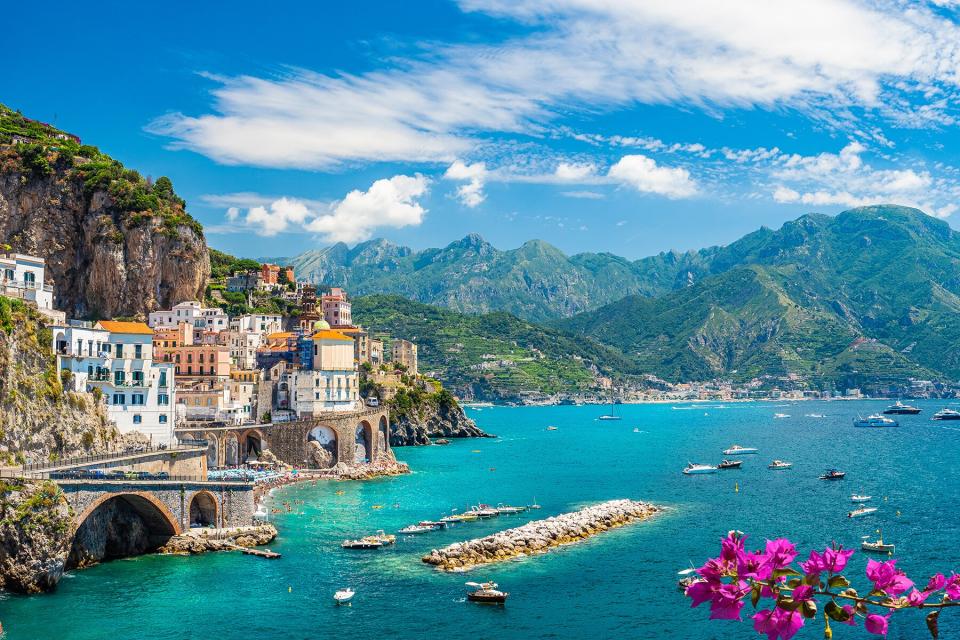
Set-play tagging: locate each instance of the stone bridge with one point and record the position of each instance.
(166, 507)
(318, 442)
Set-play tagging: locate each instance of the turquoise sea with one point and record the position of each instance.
(619, 584)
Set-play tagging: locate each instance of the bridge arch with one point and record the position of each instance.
(204, 509)
(364, 442)
(322, 449)
(120, 525)
(252, 444)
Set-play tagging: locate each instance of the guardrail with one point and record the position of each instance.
(103, 457)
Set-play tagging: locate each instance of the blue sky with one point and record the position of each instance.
(598, 125)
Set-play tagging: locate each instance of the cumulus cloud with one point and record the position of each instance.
(471, 193)
(644, 175)
(825, 58)
(388, 203)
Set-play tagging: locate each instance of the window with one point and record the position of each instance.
(119, 350)
(79, 347)
(138, 377)
(163, 398)
(137, 418)
(90, 370)
(189, 371)
(189, 357)
(118, 399)
(163, 418)
(201, 358)
(138, 351)
(118, 377)
(163, 378)
(136, 398)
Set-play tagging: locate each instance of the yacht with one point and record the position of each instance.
(382, 537)
(946, 414)
(483, 511)
(363, 543)
(737, 450)
(508, 509)
(861, 511)
(877, 421)
(693, 468)
(730, 464)
(781, 415)
(900, 409)
(858, 497)
(779, 465)
(344, 596)
(486, 592)
(833, 474)
(878, 545)
(415, 529)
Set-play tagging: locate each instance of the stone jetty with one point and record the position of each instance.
(540, 536)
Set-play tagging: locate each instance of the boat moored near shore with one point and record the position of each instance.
(693, 468)
(737, 450)
(876, 421)
(900, 409)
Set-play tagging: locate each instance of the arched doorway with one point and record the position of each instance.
(363, 443)
(322, 447)
(117, 526)
(213, 451)
(252, 442)
(203, 510)
(231, 450)
(383, 442)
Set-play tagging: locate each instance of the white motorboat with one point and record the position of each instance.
(509, 509)
(415, 529)
(861, 511)
(692, 468)
(876, 421)
(946, 414)
(344, 596)
(362, 543)
(878, 545)
(737, 450)
(781, 415)
(483, 511)
(859, 498)
(779, 465)
(486, 593)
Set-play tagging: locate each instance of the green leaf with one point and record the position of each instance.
(933, 624)
(838, 581)
(835, 612)
(782, 573)
(788, 604)
(809, 609)
(793, 583)
(755, 594)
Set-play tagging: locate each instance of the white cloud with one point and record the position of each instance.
(825, 58)
(389, 203)
(566, 172)
(470, 194)
(644, 175)
(583, 195)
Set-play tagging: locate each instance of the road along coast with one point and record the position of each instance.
(540, 536)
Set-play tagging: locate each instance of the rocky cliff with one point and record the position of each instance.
(38, 419)
(34, 521)
(417, 416)
(116, 243)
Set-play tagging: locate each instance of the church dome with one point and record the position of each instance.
(321, 325)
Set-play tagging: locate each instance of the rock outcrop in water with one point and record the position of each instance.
(194, 543)
(35, 519)
(540, 536)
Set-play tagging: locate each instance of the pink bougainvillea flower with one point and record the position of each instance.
(727, 601)
(803, 592)
(916, 598)
(877, 624)
(753, 566)
(953, 587)
(777, 623)
(731, 548)
(700, 592)
(887, 578)
(936, 583)
(831, 561)
(851, 613)
(779, 554)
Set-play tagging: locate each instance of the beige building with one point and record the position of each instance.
(405, 352)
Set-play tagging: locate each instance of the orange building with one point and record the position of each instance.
(270, 273)
(191, 359)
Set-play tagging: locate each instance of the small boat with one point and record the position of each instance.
(362, 543)
(483, 511)
(344, 596)
(689, 578)
(730, 464)
(781, 415)
(636, 429)
(878, 545)
(609, 417)
(433, 524)
(900, 409)
(693, 468)
(877, 421)
(859, 498)
(833, 474)
(551, 428)
(737, 450)
(459, 517)
(382, 537)
(779, 465)
(486, 592)
(415, 529)
(815, 415)
(508, 509)
(946, 414)
(861, 511)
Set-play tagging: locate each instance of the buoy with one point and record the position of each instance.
(493, 468)
(736, 487)
(289, 589)
(475, 451)
(898, 513)
(377, 506)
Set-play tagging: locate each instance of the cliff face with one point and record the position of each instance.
(37, 418)
(104, 262)
(34, 521)
(443, 420)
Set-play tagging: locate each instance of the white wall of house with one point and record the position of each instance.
(264, 324)
(316, 392)
(209, 318)
(23, 276)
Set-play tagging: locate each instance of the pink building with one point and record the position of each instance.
(336, 308)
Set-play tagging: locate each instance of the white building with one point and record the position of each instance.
(23, 276)
(206, 318)
(243, 347)
(262, 323)
(117, 358)
(333, 384)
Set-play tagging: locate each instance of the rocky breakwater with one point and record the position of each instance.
(540, 536)
(205, 540)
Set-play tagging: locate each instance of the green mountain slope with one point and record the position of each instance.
(491, 356)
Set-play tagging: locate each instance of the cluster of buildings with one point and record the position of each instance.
(196, 363)
(270, 277)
